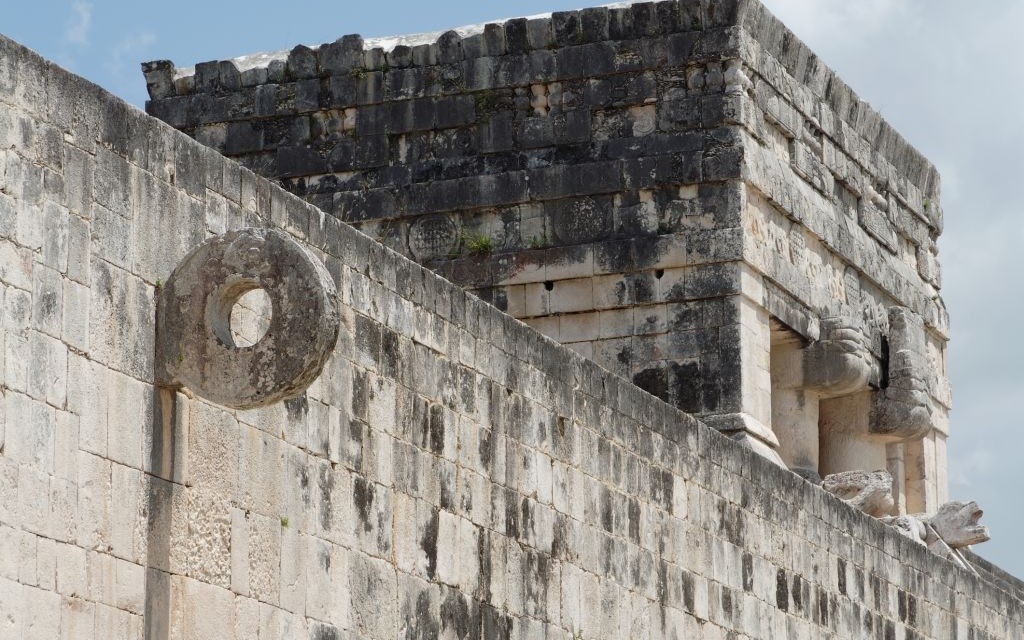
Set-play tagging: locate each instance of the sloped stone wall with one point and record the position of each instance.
(452, 473)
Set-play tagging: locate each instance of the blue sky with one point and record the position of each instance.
(945, 76)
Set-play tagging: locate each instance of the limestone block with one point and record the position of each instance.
(77, 619)
(265, 558)
(33, 442)
(374, 594)
(194, 341)
(213, 450)
(15, 265)
(12, 603)
(75, 328)
(130, 587)
(121, 320)
(293, 569)
(207, 611)
(126, 492)
(129, 414)
(42, 613)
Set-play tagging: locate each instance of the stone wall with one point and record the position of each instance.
(452, 473)
(652, 185)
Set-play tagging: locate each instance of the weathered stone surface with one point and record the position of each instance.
(195, 347)
(956, 523)
(450, 472)
(869, 491)
(840, 361)
(903, 408)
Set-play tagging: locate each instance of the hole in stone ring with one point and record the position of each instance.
(239, 312)
(250, 318)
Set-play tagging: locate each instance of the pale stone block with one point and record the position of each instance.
(317, 562)
(87, 397)
(515, 297)
(63, 509)
(130, 586)
(71, 571)
(46, 564)
(247, 619)
(77, 619)
(202, 535)
(48, 301)
(293, 570)
(65, 455)
(448, 549)
(213, 450)
(265, 558)
(55, 241)
(12, 603)
(208, 612)
(239, 552)
(537, 299)
(101, 577)
(261, 460)
(381, 405)
(79, 246)
(33, 443)
(75, 329)
(17, 359)
(15, 265)
(572, 295)
(579, 327)
(129, 413)
(30, 230)
(93, 501)
(319, 426)
(116, 624)
(562, 267)
(34, 500)
(42, 614)
(615, 323)
(125, 493)
(374, 590)
(548, 325)
(28, 555)
(56, 388)
(415, 530)
(469, 568)
(570, 606)
(10, 552)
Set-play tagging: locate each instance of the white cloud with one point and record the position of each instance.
(76, 31)
(969, 467)
(128, 49)
(817, 20)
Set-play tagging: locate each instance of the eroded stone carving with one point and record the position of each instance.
(953, 527)
(195, 348)
(869, 491)
(840, 362)
(902, 409)
(956, 523)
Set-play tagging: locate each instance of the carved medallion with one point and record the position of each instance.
(433, 237)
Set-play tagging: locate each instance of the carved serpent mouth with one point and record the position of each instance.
(973, 525)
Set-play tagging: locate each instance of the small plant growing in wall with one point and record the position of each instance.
(478, 244)
(284, 522)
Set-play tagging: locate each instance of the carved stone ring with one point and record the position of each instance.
(194, 346)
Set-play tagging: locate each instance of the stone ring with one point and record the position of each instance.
(195, 348)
